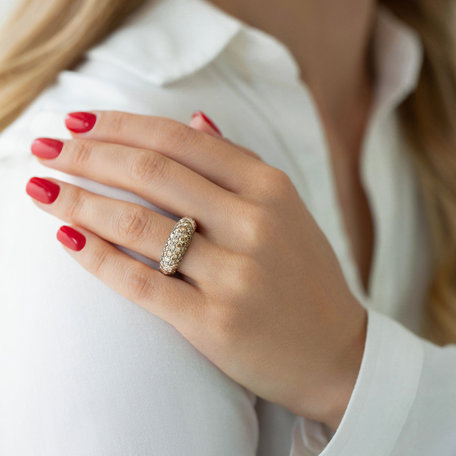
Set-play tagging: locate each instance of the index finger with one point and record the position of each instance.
(223, 163)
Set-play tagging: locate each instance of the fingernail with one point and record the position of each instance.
(80, 122)
(46, 147)
(71, 238)
(42, 190)
(207, 120)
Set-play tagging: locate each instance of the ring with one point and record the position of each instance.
(176, 245)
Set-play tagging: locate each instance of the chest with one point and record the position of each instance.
(356, 214)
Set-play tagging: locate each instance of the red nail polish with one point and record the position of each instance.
(80, 122)
(71, 238)
(46, 147)
(42, 190)
(207, 120)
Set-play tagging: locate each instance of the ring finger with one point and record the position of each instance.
(130, 225)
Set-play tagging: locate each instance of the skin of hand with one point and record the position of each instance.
(261, 293)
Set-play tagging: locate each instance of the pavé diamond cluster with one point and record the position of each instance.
(176, 245)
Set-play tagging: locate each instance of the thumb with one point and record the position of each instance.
(203, 123)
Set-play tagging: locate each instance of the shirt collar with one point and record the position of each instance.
(398, 56)
(166, 40)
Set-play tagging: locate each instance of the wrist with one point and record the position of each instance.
(346, 373)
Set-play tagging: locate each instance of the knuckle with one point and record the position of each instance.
(147, 166)
(181, 134)
(132, 224)
(116, 121)
(256, 223)
(273, 183)
(139, 284)
(222, 321)
(246, 273)
(99, 260)
(281, 180)
(226, 315)
(239, 274)
(76, 201)
(81, 153)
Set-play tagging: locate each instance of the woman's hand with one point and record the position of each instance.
(263, 296)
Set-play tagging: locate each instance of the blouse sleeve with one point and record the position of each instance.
(403, 402)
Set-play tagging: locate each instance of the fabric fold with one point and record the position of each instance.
(381, 399)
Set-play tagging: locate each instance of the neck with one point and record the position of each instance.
(328, 38)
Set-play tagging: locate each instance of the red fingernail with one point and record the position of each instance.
(46, 147)
(42, 190)
(80, 122)
(207, 120)
(71, 238)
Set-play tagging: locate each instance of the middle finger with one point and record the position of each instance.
(158, 179)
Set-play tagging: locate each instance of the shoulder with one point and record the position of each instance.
(159, 62)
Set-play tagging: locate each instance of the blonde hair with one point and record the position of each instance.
(42, 38)
(429, 121)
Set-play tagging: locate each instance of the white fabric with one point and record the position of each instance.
(5, 7)
(85, 372)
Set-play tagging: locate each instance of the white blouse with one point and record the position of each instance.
(86, 372)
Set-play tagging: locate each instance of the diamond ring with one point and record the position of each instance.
(176, 245)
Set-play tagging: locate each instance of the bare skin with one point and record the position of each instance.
(330, 41)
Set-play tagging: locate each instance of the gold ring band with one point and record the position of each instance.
(176, 245)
